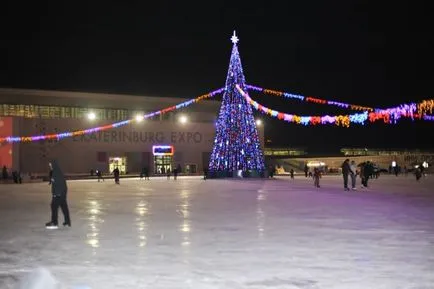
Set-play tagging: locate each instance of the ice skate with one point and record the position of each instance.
(51, 226)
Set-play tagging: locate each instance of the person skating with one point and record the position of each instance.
(5, 174)
(116, 174)
(346, 170)
(353, 173)
(146, 173)
(316, 176)
(367, 169)
(59, 190)
(205, 173)
(418, 173)
(175, 173)
(99, 174)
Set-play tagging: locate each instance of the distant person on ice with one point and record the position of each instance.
(418, 173)
(366, 171)
(353, 173)
(59, 191)
(175, 173)
(205, 173)
(146, 172)
(116, 174)
(346, 170)
(316, 176)
(99, 174)
(5, 174)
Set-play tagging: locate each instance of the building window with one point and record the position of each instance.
(43, 111)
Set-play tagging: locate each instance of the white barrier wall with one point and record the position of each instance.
(382, 161)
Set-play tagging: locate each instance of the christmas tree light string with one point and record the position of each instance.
(14, 139)
(340, 120)
(236, 143)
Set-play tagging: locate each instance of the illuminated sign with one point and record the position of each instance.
(315, 164)
(277, 152)
(163, 150)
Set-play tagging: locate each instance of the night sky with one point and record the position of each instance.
(362, 52)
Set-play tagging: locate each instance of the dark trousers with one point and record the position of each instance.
(345, 181)
(56, 202)
(316, 181)
(353, 180)
(365, 181)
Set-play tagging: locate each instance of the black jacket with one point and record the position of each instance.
(346, 169)
(58, 182)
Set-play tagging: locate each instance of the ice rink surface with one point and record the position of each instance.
(191, 233)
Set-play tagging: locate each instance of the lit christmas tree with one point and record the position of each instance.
(236, 143)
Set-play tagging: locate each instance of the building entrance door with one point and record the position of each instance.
(190, 169)
(118, 162)
(162, 164)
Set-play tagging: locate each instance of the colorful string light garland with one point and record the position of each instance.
(310, 98)
(388, 115)
(417, 110)
(339, 120)
(426, 106)
(12, 139)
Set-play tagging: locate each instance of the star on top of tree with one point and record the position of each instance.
(234, 38)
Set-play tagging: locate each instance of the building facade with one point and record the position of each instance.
(158, 144)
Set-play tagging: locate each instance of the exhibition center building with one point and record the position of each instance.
(180, 138)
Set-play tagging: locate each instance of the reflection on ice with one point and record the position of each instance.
(142, 210)
(184, 212)
(260, 214)
(41, 278)
(94, 220)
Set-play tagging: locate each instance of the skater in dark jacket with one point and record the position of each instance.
(346, 170)
(116, 174)
(99, 174)
(316, 177)
(175, 173)
(59, 191)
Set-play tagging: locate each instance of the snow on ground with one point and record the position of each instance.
(192, 233)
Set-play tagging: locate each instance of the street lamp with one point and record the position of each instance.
(91, 116)
(258, 122)
(183, 119)
(139, 118)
